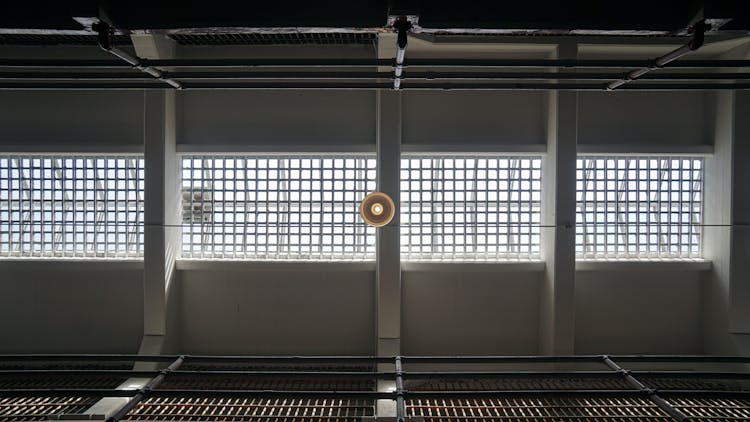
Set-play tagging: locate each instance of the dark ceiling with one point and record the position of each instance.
(600, 15)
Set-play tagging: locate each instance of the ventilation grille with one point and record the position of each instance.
(57, 39)
(276, 39)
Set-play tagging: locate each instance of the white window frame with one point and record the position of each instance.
(634, 235)
(71, 206)
(492, 240)
(339, 234)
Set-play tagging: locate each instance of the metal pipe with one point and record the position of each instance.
(527, 374)
(663, 405)
(66, 392)
(370, 63)
(76, 372)
(105, 42)
(302, 374)
(291, 359)
(402, 26)
(446, 86)
(694, 44)
(400, 392)
(90, 357)
(154, 383)
(500, 359)
(266, 394)
(680, 358)
(521, 393)
(336, 75)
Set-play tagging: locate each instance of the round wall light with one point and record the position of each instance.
(377, 209)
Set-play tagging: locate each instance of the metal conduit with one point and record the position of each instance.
(105, 42)
(337, 75)
(373, 85)
(369, 63)
(694, 44)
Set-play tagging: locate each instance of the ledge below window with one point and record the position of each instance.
(644, 265)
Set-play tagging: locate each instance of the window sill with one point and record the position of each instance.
(498, 266)
(70, 264)
(240, 265)
(644, 265)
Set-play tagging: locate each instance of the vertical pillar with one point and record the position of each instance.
(388, 275)
(162, 210)
(726, 235)
(388, 270)
(162, 198)
(557, 304)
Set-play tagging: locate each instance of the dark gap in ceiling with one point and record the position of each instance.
(57, 39)
(277, 39)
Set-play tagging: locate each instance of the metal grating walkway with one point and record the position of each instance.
(526, 388)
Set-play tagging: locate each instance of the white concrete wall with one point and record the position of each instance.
(639, 312)
(278, 312)
(644, 118)
(468, 117)
(70, 307)
(474, 313)
(72, 118)
(276, 118)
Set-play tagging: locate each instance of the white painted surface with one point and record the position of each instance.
(452, 313)
(276, 117)
(643, 118)
(278, 312)
(72, 118)
(638, 312)
(485, 117)
(70, 309)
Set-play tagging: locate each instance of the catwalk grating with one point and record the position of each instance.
(322, 38)
(569, 388)
(537, 408)
(42, 408)
(252, 409)
(712, 409)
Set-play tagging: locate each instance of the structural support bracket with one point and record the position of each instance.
(699, 30)
(402, 27)
(104, 33)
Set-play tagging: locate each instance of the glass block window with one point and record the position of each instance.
(639, 207)
(470, 208)
(71, 206)
(277, 207)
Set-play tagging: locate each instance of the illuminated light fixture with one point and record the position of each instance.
(377, 209)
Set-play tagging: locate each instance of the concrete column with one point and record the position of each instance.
(388, 255)
(557, 302)
(162, 197)
(726, 236)
(388, 270)
(161, 242)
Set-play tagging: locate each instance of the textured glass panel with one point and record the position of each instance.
(276, 207)
(470, 208)
(71, 206)
(639, 207)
